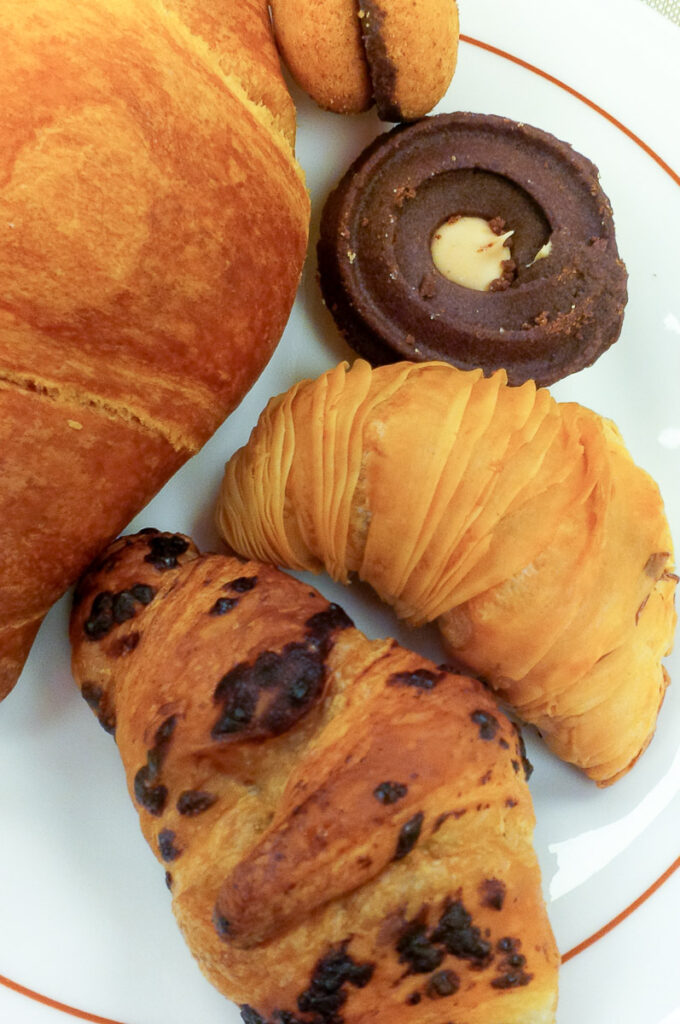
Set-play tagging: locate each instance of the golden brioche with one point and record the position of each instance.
(154, 227)
(348, 55)
(346, 827)
(521, 525)
(240, 36)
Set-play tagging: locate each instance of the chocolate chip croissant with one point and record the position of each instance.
(346, 827)
(520, 524)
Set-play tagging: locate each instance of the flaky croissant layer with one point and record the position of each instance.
(346, 827)
(519, 523)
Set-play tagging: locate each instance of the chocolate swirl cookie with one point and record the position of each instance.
(477, 240)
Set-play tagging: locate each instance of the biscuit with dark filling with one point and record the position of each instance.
(351, 54)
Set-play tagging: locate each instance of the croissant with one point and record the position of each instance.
(520, 524)
(346, 827)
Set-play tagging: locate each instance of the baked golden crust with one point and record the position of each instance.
(240, 36)
(155, 224)
(346, 826)
(520, 524)
(348, 55)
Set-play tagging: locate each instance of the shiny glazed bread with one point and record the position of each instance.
(520, 524)
(154, 224)
(346, 827)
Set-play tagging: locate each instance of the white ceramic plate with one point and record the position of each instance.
(86, 930)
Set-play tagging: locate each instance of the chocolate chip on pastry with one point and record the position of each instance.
(477, 240)
(349, 54)
(343, 841)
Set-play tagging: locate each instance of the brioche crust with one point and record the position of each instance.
(156, 224)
